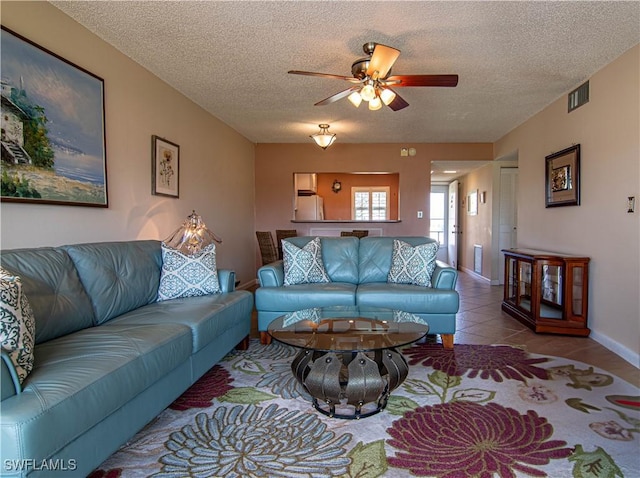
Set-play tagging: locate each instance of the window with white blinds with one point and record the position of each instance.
(370, 203)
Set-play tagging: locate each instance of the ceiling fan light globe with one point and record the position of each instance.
(368, 92)
(387, 96)
(355, 99)
(375, 104)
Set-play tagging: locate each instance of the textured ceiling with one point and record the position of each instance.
(232, 58)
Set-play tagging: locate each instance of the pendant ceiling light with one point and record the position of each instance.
(323, 138)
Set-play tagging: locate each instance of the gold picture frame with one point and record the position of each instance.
(165, 167)
(562, 178)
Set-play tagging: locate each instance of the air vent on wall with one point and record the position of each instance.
(579, 96)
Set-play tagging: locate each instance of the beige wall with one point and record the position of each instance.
(608, 130)
(276, 164)
(216, 163)
(476, 229)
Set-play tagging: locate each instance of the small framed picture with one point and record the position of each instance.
(165, 166)
(562, 184)
(472, 203)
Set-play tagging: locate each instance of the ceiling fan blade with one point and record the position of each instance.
(398, 102)
(337, 96)
(324, 75)
(382, 60)
(424, 80)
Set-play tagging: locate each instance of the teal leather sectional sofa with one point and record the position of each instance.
(108, 357)
(358, 270)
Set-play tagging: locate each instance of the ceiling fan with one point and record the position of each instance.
(373, 81)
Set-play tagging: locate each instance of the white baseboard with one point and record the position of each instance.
(475, 274)
(629, 355)
(248, 285)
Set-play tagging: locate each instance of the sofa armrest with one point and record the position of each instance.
(227, 279)
(272, 275)
(444, 276)
(9, 382)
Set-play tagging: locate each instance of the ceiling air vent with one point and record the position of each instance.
(579, 96)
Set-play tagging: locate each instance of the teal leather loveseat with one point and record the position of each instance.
(358, 270)
(108, 357)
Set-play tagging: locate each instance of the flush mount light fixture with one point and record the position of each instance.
(324, 138)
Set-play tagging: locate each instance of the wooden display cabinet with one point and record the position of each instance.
(547, 291)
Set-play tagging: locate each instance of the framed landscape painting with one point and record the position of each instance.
(53, 136)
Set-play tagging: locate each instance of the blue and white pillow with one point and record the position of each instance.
(412, 264)
(17, 324)
(303, 265)
(188, 275)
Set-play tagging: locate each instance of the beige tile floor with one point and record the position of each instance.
(482, 321)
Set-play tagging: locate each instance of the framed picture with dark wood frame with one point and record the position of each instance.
(53, 133)
(165, 167)
(562, 172)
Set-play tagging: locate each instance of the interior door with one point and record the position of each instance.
(452, 225)
(508, 226)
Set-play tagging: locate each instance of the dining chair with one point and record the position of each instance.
(267, 247)
(283, 234)
(355, 233)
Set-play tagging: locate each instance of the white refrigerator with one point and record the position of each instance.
(310, 208)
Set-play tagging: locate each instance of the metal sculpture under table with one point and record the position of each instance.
(349, 362)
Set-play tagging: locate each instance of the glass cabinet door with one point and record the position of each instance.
(551, 300)
(524, 285)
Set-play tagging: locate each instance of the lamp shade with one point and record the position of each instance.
(192, 236)
(368, 92)
(375, 104)
(355, 98)
(387, 96)
(324, 138)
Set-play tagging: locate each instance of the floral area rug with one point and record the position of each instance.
(481, 411)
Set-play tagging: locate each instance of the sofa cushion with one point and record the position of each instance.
(118, 276)
(412, 264)
(81, 378)
(304, 296)
(49, 279)
(17, 325)
(207, 316)
(409, 298)
(339, 255)
(185, 275)
(303, 265)
(374, 260)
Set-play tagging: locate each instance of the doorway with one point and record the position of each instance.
(438, 219)
(508, 216)
(453, 229)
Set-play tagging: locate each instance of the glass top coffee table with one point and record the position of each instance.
(349, 362)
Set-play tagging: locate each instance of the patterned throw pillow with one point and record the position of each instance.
(17, 324)
(412, 265)
(303, 266)
(188, 275)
